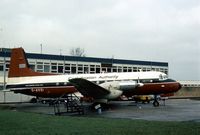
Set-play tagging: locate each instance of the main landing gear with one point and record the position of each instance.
(155, 102)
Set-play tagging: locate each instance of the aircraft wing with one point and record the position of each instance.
(88, 88)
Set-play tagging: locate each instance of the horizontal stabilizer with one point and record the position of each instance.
(88, 88)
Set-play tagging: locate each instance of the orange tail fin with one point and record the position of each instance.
(19, 66)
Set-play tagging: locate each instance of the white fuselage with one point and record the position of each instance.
(98, 78)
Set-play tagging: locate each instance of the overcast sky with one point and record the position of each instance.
(153, 30)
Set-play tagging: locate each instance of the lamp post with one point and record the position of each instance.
(4, 70)
(41, 48)
(4, 74)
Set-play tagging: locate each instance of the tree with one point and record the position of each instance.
(77, 52)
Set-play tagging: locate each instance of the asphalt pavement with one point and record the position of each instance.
(172, 110)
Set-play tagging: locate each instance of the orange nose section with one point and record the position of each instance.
(179, 86)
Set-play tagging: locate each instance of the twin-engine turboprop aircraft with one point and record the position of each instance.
(101, 87)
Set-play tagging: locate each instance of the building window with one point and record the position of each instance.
(68, 72)
(148, 69)
(39, 63)
(103, 70)
(67, 67)
(54, 67)
(7, 66)
(144, 69)
(80, 69)
(40, 67)
(108, 69)
(166, 71)
(129, 69)
(54, 71)
(60, 69)
(39, 70)
(46, 68)
(32, 67)
(114, 69)
(86, 69)
(73, 69)
(119, 69)
(1, 67)
(98, 70)
(92, 68)
(124, 69)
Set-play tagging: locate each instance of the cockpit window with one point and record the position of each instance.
(163, 77)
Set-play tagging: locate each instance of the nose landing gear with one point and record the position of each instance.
(155, 102)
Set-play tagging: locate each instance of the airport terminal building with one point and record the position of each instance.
(63, 64)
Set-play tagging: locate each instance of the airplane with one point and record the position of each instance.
(102, 87)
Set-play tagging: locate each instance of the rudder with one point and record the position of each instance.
(19, 66)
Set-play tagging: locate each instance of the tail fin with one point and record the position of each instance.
(19, 66)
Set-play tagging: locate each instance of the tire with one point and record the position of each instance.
(155, 103)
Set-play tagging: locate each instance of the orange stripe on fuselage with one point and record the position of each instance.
(52, 92)
(155, 89)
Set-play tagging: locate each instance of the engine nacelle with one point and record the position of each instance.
(114, 94)
(121, 85)
(116, 88)
(110, 85)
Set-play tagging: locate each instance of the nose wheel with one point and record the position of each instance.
(155, 102)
